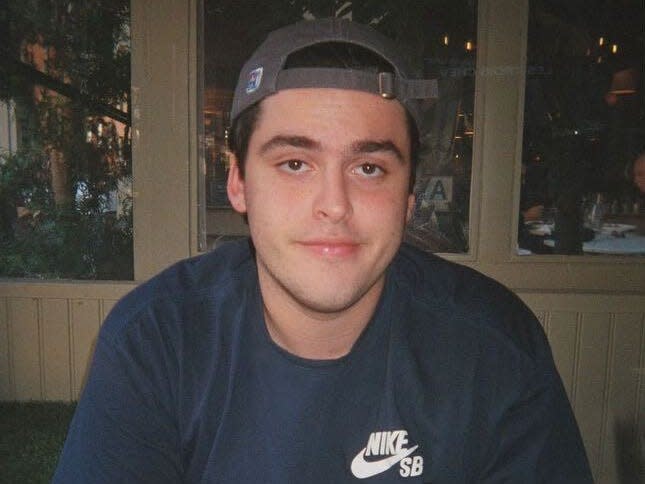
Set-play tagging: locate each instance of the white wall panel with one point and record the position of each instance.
(562, 330)
(56, 349)
(591, 382)
(598, 342)
(621, 423)
(26, 349)
(6, 386)
(85, 325)
(106, 307)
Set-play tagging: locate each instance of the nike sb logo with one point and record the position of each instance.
(383, 451)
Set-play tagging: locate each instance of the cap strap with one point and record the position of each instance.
(419, 88)
(385, 84)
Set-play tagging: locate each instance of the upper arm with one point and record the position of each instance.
(537, 439)
(124, 429)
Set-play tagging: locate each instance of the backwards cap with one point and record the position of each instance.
(264, 74)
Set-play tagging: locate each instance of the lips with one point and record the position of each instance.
(331, 248)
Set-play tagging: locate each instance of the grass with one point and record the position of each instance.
(31, 437)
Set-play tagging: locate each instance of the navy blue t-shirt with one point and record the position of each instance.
(452, 381)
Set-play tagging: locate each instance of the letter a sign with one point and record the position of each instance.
(439, 192)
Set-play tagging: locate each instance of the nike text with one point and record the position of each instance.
(392, 447)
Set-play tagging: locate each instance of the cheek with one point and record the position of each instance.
(382, 206)
(273, 204)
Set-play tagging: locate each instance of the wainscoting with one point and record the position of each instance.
(598, 342)
(47, 335)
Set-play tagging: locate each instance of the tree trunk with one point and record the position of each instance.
(60, 179)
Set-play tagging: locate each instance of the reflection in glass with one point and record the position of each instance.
(440, 38)
(65, 157)
(584, 129)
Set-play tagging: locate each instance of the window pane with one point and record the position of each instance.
(441, 39)
(584, 130)
(65, 157)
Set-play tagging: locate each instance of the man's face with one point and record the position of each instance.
(326, 194)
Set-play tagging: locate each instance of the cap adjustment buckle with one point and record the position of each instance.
(386, 85)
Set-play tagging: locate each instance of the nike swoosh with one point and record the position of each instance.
(364, 469)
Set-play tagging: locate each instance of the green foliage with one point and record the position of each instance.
(56, 219)
(90, 38)
(31, 438)
(83, 241)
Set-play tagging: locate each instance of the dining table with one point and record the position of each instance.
(611, 238)
(625, 244)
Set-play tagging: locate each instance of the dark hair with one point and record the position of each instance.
(327, 54)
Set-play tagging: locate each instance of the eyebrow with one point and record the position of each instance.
(285, 141)
(357, 147)
(373, 146)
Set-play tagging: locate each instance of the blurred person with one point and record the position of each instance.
(638, 173)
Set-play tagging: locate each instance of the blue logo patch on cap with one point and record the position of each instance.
(255, 78)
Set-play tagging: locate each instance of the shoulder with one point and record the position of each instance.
(209, 276)
(471, 304)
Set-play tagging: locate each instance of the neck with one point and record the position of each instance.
(313, 334)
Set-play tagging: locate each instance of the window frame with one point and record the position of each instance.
(167, 166)
(499, 122)
(499, 107)
(164, 61)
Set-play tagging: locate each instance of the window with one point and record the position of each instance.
(584, 130)
(65, 157)
(441, 39)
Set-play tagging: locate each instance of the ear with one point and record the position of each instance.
(410, 210)
(235, 186)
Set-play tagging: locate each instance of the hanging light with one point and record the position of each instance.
(601, 41)
(624, 82)
(445, 39)
(614, 48)
(469, 46)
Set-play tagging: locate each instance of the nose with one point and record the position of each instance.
(332, 202)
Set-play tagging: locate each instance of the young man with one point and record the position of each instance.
(321, 351)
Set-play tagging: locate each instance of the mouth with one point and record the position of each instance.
(331, 248)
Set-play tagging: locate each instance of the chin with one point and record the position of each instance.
(331, 297)
(328, 305)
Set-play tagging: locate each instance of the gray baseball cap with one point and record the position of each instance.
(264, 73)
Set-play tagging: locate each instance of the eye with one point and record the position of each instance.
(294, 166)
(369, 170)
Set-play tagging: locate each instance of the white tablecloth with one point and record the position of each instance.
(607, 244)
